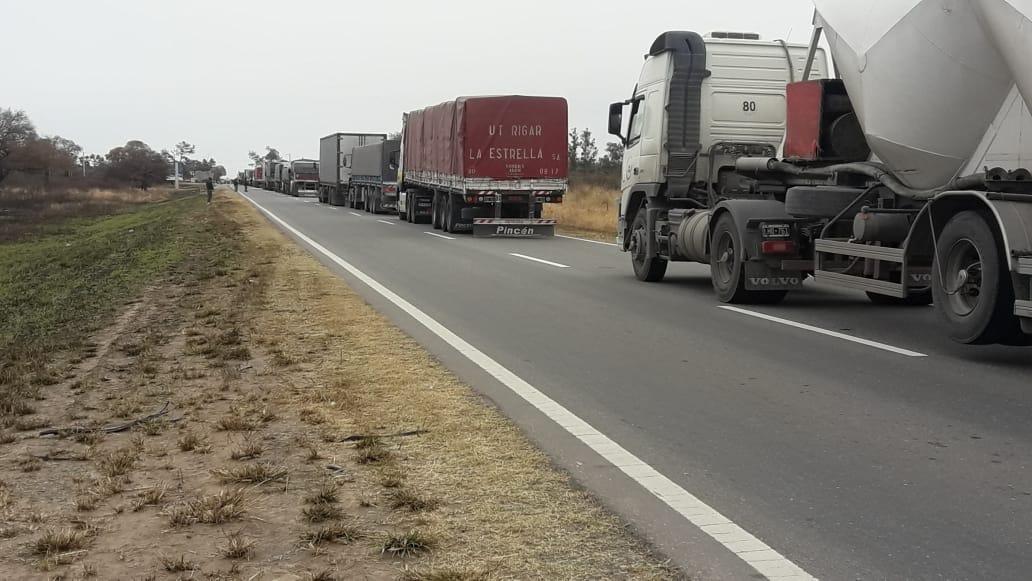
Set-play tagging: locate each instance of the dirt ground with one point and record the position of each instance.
(263, 422)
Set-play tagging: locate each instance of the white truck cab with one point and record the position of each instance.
(700, 103)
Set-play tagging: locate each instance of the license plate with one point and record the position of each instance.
(776, 230)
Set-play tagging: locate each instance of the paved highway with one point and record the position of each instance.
(854, 440)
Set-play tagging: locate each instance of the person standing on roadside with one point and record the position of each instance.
(235, 184)
(208, 185)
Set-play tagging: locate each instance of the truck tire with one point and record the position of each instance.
(645, 269)
(728, 269)
(971, 283)
(447, 215)
(818, 202)
(917, 299)
(435, 211)
(372, 205)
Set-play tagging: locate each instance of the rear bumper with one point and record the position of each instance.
(513, 228)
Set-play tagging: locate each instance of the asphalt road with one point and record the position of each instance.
(854, 460)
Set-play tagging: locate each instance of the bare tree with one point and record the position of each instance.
(16, 130)
(272, 154)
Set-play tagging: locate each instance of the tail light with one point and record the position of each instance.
(778, 247)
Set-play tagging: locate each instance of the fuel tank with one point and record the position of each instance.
(928, 77)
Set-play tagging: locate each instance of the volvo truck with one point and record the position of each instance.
(485, 164)
(749, 156)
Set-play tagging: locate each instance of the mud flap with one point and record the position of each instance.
(761, 277)
(513, 228)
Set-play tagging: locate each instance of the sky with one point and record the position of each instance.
(231, 76)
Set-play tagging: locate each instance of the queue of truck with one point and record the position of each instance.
(762, 160)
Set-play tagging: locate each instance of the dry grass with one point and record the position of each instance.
(224, 506)
(234, 422)
(177, 564)
(193, 442)
(56, 541)
(118, 462)
(337, 532)
(406, 544)
(27, 210)
(445, 575)
(406, 499)
(151, 497)
(327, 493)
(249, 449)
(321, 512)
(254, 473)
(237, 546)
(587, 208)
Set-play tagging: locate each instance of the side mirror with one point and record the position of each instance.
(616, 120)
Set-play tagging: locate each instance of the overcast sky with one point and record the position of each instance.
(233, 75)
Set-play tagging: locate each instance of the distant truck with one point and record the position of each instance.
(248, 176)
(258, 175)
(300, 177)
(486, 164)
(374, 176)
(335, 164)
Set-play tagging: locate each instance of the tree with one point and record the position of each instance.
(15, 131)
(218, 172)
(136, 163)
(254, 157)
(272, 154)
(614, 154)
(574, 147)
(588, 151)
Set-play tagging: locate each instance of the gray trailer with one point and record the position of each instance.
(335, 163)
(374, 176)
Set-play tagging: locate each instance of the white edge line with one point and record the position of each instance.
(836, 334)
(542, 261)
(439, 235)
(352, 213)
(716, 525)
(586, 240)
(386, 222)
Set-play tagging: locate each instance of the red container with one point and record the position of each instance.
(492, 138)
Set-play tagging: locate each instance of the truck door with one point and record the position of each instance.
(632, 153)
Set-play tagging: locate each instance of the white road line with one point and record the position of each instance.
(386, 222)
(355, 214)
(836, 334)
(586, 240)
(439, 235)
(548, 262)
(747, 547)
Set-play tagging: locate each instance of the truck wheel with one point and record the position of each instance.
(728, 269)
(917, 299)
(646, 269)
(435, 211)
(373, 206)
(971, 283)
(447, 224)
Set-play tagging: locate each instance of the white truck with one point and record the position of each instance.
(879, 181)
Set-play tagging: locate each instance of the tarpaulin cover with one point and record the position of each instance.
(499, 138)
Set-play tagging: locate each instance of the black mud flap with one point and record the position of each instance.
(513, 228)
(761, 277)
